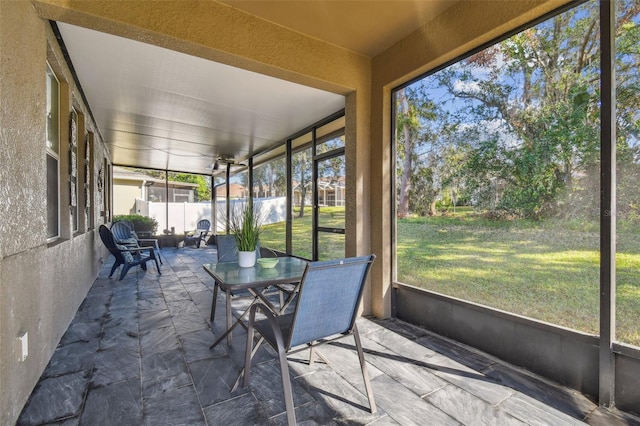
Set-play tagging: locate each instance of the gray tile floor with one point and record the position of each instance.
(138, 353)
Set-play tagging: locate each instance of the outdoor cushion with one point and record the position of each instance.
(129, 241)
(128, 257)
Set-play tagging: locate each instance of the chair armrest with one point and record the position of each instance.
(138, 249)
(148, 240)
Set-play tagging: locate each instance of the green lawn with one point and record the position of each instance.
(331, 246)
(548, 271)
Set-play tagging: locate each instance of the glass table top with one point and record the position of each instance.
(231, 275)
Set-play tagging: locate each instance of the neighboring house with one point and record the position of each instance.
(331, 192)
(236, 190)
(130, 185)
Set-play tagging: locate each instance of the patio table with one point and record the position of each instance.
(232, 278)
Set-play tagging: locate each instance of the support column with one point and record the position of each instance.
(607, 203)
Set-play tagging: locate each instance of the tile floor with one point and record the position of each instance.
(137, 353)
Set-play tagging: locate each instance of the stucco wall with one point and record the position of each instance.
(41, 285)
(124, 197)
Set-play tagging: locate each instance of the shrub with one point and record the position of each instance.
(140, 223)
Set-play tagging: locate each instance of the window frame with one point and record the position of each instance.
(53, 234)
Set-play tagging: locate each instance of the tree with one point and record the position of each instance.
(526, 111)
(202, 191)
(269, 179)
(302, 169)
(414, 112)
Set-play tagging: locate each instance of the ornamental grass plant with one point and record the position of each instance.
(245, 224)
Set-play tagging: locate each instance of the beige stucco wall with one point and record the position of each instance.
(41, 285)
(124, 196)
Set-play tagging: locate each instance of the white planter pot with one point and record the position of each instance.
(246, 259)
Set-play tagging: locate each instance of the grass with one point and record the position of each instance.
(548, 271)
(331, 246)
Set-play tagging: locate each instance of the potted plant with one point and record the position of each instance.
(245, 225)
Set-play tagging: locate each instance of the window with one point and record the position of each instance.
(270, 195)
(73, 170)
(88, 180)
(497, 175)
(628, 175)
(302, 190)
(53, 155)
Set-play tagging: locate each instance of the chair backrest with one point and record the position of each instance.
(110, 242)
(122, 233)
(328, 300)
(131, 226)
(203, 224)
(227, 249)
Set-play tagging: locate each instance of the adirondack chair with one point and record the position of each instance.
(125, 234)
(128, 257)
(199, 235)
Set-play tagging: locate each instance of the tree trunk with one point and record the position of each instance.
(405, 179)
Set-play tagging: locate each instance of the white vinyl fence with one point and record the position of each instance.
(185, 216)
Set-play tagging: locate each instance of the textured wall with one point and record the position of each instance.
(22, 209)
(23, 206)
(41, 285)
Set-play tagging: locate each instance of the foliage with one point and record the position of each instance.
(140, 223)
(302, 175)
(202, 191)
(270, 179)
(245, 224)
(515, 127)
(415, 111)
(423, 200)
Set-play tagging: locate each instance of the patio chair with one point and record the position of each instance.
(227, 251)
(125, 234)
(143, 242)
(325, 310)
(199, 235)
(128, 257)
(122, 234)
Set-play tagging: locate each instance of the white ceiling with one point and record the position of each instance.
(162, 109)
